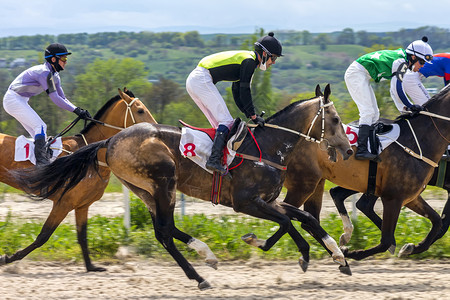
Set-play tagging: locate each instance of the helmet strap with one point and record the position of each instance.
(412, 61)
(56, 65)
(262, 64)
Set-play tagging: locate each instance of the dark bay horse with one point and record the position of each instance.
(118, 113)
(400, 180)
(367, 202)
(146, 158)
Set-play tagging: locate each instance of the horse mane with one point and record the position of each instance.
(287, 108)
(104, 108)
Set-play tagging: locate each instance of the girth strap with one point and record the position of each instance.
(267, 162)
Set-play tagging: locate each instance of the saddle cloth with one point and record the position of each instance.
(24, 149)
(196, 143)
(386, 138)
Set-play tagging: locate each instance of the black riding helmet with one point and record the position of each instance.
(55, 50)
(269, 44)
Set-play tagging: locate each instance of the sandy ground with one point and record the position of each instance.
(137, 278)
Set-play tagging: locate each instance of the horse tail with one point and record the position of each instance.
(62, 174)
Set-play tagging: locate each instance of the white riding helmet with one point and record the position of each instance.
(421, 49)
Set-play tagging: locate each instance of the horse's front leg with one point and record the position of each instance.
(260, 209)
(445, 217)
(339, 194)
(391, 211)
(421, 207)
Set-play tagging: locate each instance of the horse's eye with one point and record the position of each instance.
(140, 111)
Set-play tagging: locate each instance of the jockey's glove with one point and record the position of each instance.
(82, 113)
(416, 108)
(259, 121)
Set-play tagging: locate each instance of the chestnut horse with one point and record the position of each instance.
(118, 113)
(146, 158)
(400, 179)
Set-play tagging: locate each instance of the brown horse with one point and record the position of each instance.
(400, 179)
(118, 113)
(367, 202)
(146, 158)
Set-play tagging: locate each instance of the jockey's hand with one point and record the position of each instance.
(82, 113)
(258, 120)
(416, 108)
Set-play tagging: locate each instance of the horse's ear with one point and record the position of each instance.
(318, 91)
(124, 96)
(120, 93)
(327, 92)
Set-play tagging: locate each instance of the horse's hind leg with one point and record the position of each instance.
(58, 213)
(421, 207)
(81, 217)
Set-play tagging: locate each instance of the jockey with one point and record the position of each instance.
(238, 67)
(380, 65)
(32, 82)
(412, 82)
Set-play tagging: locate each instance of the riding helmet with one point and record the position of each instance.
(421, 49)
(269, 44)
(55, 49)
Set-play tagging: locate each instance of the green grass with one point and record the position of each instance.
(222, 234)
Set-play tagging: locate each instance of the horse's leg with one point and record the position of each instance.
(81, 217)
(419, 206)
(312, 225)
(445, 217)
(57, 214)
(200, 247)
(161, 206)
(260, 209)
(391, 211)
(339, 194)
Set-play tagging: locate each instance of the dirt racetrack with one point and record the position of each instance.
(143, 279)
(137, 278)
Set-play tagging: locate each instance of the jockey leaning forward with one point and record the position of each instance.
(238, 67)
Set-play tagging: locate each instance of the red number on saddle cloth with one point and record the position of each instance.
(350, 133)
(27, 150)
(189, 148)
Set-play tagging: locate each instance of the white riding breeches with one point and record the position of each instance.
(205, 94)
(357, 79)
(18, 107)
(412, 84)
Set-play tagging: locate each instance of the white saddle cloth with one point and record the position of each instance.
(386, 138)
(24, 149)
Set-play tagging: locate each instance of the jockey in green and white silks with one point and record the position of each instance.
(383, 65)
(237, 67)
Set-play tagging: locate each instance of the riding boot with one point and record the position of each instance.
(363, 135)
(40, 151)
(214, 162)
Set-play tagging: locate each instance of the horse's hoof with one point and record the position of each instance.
(406, 250)
(204, 285)
(303, 264)
(392, 249)
(248, 238)
(95, 269)
(345, 269)
(3, 260)
(212, 263)
(340, 260)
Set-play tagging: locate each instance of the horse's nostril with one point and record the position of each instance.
(349, 151)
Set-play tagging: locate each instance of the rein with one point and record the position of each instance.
(306, 136)
(128, 111)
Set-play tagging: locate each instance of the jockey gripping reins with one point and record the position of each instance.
(128, 110)
(306, 136)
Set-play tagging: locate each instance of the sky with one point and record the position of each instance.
(30, 17)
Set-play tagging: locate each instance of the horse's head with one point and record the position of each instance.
(333, 133)
(135, 111)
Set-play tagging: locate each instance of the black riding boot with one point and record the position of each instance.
(362, 152)
(40, 151)
(214, 162)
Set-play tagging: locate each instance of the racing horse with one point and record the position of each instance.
(367, 202)
(118, 113)
(401, 177)
(146, 158)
